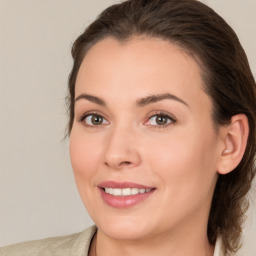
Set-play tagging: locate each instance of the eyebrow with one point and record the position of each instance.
(91, 98)
(155, 98)
(140, 102)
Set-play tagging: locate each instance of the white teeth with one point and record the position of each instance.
(125, 191)
(134, 191)
(116, 191)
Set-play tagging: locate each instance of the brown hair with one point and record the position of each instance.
(228, 80)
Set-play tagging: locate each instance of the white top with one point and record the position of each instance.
(72, 245)
(219, 247)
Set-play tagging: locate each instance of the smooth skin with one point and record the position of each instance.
(169, 143)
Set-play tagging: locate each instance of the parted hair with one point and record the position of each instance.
(228, 80)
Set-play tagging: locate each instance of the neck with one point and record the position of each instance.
(178, 244)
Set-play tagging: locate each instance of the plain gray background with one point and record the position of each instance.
(38, 196)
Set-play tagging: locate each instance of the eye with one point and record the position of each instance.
(93, 120)
(160, 120)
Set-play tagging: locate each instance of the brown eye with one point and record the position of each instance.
(161, 120)
(94, 120)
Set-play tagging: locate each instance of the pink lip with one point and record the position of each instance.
(123, 201)
(114, 184)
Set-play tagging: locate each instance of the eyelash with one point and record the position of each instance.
(171, 119)
(85, 115)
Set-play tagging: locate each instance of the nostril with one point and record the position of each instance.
(125, 163)
(120, 164)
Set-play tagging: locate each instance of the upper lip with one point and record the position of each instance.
(115, 184)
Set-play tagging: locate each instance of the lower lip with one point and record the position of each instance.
(124, 201)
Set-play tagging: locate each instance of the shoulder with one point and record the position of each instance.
(75, 244)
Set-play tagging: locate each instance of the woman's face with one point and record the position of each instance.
(143, 145)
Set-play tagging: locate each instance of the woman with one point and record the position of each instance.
(162, 133)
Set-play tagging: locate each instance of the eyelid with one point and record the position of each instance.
(172, 118)
(89, 113)
(92, 112)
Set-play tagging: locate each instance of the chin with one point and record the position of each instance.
(125, 227)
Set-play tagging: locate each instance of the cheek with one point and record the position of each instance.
(186, 161)
(185, 168)
(84, 154)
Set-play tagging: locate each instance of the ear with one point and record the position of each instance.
(234, 137)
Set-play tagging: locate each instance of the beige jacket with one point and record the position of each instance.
(71, 245)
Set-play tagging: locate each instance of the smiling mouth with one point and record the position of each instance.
(124, 194)
(126, 191)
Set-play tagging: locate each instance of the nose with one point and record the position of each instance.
(121, 149)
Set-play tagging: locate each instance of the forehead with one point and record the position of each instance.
(139, 66)
(154, 53)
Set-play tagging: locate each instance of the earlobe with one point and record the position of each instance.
(235, 137)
